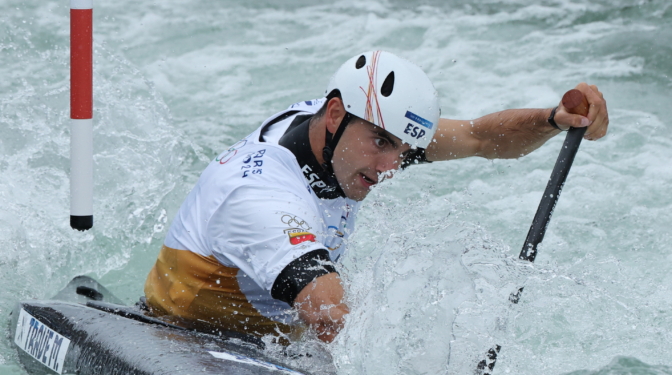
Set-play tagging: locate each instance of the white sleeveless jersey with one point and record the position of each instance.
(252, 209)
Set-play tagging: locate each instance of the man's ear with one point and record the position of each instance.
(334, 114)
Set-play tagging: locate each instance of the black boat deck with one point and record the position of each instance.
(69, 337)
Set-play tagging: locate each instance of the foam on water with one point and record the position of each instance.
(434, 259)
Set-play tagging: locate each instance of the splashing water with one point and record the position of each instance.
(434, 260)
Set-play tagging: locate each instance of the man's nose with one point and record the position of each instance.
(389, 161)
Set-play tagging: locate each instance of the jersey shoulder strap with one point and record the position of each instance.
(277, 119)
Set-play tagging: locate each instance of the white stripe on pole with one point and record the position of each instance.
(81, 4)
(81, 168)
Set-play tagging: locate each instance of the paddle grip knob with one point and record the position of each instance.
(575, 102)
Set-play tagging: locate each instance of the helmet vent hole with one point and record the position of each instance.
(388, 85)
(361, 61)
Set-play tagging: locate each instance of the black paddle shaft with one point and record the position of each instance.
(576, 103)
(540, 222)
(551, 194)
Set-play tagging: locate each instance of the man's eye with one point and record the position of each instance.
(380, 142)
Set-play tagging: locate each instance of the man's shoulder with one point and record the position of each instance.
(255, 163)
(311, 106)
(256, 155)
(274, 127)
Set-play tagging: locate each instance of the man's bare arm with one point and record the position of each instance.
(501, 135)
(320, 304)
(516, 132)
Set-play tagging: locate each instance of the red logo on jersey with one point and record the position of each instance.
(298, 237)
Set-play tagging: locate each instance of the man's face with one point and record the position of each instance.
(363, 155)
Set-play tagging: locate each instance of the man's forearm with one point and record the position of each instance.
(513, 133)
(507, 134)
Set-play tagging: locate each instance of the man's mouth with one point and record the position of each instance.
(368, 180)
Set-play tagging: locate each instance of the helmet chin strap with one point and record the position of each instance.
(330, 142)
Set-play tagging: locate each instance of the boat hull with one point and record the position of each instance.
(101, 338)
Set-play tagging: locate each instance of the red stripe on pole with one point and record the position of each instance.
(81, 64)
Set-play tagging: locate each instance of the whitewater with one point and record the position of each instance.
(434, 259)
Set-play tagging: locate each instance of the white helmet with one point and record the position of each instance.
(389, 92)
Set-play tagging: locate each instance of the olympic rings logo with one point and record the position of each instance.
(294, 221)
(232, 151)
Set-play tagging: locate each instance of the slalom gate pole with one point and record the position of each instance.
(575, 103)
(81, 114)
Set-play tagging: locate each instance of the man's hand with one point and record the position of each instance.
(320, 304)
(598, 117)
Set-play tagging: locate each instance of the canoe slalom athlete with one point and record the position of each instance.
(254, 247)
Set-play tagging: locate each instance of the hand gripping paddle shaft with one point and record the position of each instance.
(575, 103)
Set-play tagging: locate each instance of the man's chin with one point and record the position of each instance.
(357, 194)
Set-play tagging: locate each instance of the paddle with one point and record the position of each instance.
(574, 102)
